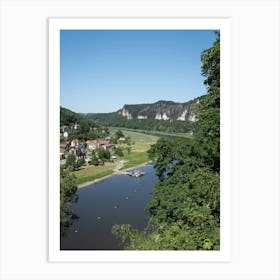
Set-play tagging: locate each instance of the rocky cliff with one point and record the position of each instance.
(161, 110)
(161, 116)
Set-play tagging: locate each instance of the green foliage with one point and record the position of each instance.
(119, 152)
(68, 195)
(86, 131)
(124, 232)
(128, 141)
(94, 159)
(68, 117)
(80, 162)
(71, 162)
(116, 120)
(119, 134)
(113, 140)
(210, 68)
(185, 211)
(104, 154)
(208, 134)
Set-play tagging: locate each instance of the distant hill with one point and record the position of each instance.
(70, 118)
(162, 115)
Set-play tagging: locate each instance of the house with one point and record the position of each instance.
(75, 143)
(64, 128)
(98, 144)
(108, 146)
(64, 131)
(77, 126)
(105, 144)
(91, 144)
(122, 139)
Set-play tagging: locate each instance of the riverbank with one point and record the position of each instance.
(115, 173)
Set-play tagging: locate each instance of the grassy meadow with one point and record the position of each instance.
(92, 173)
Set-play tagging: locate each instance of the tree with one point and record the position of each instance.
(113, 140)
(94, 159)
(119, 134)
(210, 67)
(68, 195)
(104, 154)
(85, 125)
(118, 151)
(80, 162)
(71, 162)
(128, 148)
(208, 134)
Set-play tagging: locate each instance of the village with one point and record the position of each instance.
(84, 153)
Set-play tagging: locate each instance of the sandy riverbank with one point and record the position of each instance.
(116, 173)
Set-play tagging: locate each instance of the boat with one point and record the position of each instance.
(136, 173)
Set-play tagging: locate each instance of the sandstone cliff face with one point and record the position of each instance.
(162, 110)
(125, 113)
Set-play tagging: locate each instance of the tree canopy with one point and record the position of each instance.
(68, 195)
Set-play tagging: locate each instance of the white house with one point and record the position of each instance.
(77, 126)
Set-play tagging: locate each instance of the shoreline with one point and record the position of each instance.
(112, 175)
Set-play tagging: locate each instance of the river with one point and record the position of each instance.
(118, 200)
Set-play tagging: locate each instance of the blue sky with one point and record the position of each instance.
(101, 70)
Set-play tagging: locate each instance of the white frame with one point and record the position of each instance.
(57, 24)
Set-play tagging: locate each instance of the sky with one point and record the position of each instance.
(102, 70)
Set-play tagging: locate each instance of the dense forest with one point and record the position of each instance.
(185, 211)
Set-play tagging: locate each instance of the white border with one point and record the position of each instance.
(55, 25)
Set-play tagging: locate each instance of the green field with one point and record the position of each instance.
(92, 173)
(134, 159)
(142, 143)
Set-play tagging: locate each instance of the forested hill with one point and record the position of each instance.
(70, 118)
(79, 127)
(162, 116)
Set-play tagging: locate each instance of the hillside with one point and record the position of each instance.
(70, 118)
(162, 116)
(75, 126)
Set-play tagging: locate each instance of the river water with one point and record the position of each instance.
(118, 200)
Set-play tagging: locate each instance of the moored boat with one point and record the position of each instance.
(136, 173)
